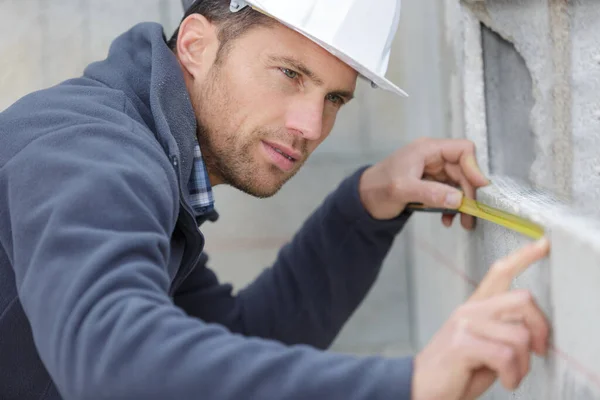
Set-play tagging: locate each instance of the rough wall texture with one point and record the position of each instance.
(537, 64)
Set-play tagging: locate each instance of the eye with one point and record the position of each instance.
(289, 73)
(335, 99)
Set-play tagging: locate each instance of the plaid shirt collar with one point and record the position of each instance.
(201, 194)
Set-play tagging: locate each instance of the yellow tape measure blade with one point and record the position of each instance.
(502, 218)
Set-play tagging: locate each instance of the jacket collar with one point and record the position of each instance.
(141, 65)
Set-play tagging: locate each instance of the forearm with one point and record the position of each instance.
(153, 352)
(323, 275)
(94, 287)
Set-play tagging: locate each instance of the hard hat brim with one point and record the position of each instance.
(373, 77)
(376, 80)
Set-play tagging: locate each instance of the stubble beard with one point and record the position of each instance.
(229, 155)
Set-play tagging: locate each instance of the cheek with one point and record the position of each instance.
(255, 98)
(328, 122)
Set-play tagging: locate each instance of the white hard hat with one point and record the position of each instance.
(358, 32)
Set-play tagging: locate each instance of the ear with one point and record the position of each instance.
(197, 45)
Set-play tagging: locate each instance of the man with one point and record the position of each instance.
(105, 292)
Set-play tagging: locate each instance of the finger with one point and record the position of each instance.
(516, 335)
(448, 219)
(503, 272)
(481, 381)
(472, 171)
(455, 172)
(467, 222)
(507, 305)
(433, 194)
(437, 174)
(532, 316)
(517, 306)
(456, 152)
(441, 178)
(496, 356)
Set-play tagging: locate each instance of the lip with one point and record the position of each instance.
(282, 162)
(287, 150)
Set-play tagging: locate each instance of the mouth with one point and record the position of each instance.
(282, 156)
(285, 151)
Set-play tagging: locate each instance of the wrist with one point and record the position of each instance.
(367, 192)
(375, 194)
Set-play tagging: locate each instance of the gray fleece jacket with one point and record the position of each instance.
(104, 288)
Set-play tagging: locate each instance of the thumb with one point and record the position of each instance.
(434, 194)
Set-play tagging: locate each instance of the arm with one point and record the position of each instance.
(91, 215)
(317, 282)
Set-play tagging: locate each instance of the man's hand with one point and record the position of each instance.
(426, 171)
(490, 337)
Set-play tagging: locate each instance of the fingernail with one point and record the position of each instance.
(543, 243)
(453, 200)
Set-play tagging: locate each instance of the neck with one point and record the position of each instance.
(214, 179)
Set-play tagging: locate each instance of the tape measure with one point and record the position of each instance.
(491, 214)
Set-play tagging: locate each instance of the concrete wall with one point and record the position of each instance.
(519, 78)
(45, 42)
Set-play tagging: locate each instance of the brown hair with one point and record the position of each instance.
(231, 25)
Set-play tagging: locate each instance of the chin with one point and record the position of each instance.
(264, 186)
(258, 191)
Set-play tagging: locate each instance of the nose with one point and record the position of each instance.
(305, 117)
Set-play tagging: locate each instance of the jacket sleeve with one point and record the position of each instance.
(91, 213)
(316, 283)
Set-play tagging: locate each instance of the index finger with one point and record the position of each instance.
(501, 274)
(461, 152)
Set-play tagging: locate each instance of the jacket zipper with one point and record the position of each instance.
(192, 234)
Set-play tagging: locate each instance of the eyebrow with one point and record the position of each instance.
(304, 70)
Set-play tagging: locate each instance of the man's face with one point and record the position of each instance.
(265, 106)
